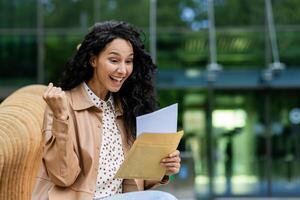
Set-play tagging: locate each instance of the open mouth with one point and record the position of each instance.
(117, 79)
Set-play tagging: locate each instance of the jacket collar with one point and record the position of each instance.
(81, 101)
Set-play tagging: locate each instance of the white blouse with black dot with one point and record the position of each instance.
(111, 153)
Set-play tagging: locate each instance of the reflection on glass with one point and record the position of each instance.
(18, 60)
(59, 49)
(57, 14)
(229, 119)
(285, 128)
(18, 14)
(237, 166)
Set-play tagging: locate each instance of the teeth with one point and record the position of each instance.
(117, 78)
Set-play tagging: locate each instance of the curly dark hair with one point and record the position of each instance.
(137, 94)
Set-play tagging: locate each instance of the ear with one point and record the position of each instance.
(93, 60)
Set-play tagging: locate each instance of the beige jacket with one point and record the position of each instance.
(71, 152)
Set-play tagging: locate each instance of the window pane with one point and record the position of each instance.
(18, 14)
(18, 59)
(68, 13)
(132, 11)
(59, 48)
(178, 45)
(181, 49)
(239, 144)
(285, 129)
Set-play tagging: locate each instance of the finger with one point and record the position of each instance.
(50, 86)
(173, 170)
(62, 94)
(168, 165)
(175, 153)
(173, 159)
(52, 92)
(58, 91)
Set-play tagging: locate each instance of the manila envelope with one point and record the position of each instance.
(144, 157)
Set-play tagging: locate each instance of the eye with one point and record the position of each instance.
(129, 61)
(113, 60)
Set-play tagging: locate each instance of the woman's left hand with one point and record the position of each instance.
(172, 163)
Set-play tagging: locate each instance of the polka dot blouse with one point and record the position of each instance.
(111, 153)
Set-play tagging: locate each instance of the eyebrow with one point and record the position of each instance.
(116, 53)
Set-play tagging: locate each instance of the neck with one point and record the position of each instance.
(98, 90)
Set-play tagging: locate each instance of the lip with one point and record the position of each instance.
(118, 79)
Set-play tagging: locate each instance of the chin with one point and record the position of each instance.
(114, 89)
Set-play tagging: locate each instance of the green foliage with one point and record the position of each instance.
(68, 13)
(240, 13)
(286, 12)
(132, 11)
(14, 61)
(182, 32)
(58, 50)
(17, 14)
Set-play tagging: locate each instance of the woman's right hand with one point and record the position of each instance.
(56, 99)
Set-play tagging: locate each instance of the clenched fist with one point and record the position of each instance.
(57, 101)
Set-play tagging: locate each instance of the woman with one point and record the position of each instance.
(89, 123)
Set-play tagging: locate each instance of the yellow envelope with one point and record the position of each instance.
(143, 159)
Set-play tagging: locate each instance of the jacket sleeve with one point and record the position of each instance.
(60, 158)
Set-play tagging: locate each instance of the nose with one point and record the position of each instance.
(122, 68)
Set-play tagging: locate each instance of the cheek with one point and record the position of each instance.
(129, 70)
(105, 69)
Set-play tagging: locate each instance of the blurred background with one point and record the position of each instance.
(232, 65)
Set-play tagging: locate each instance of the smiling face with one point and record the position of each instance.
(112, 67)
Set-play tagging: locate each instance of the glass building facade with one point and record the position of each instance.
(242, 124)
